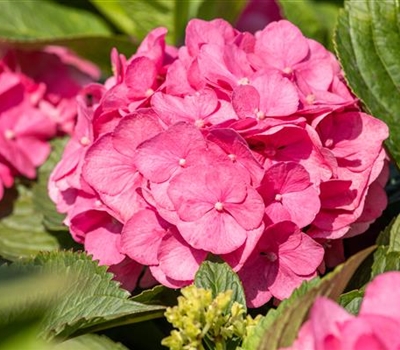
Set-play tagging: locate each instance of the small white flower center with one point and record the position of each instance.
(259, 114)
(270, 256)
(310, 99)
(9, 134)
(199, 123)
(219, 206)
(278, 197)
(287, 70)
(182, 162)
(232, 157)
(84, 141)
(329, 143)
(244, 81)
(149, 92)
(270, 151)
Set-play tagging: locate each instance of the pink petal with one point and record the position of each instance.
(215, 232)
(303, 206)
(159, 157)
(245, 100)
(169, 282)
(326, 318)
(107, 170)
(238, 150)
(102, 235)
(140, 76)
(248, 214)
(142, 235)
(301, 254)
(255, 284)
(281, 45)
(284, 281)
(172, 249)
(278, 95)
(127, 273)
(195, 191)
(132, 130)
(382, 296)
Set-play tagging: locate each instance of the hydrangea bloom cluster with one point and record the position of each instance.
(375, 327)
(249, 147)
(35, 106)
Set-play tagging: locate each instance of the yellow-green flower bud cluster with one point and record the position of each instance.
(200, 320)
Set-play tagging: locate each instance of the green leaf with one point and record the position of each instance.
(52, 220)
(387, 256)
(53, 24)
(211, 9)
(24, 336)
(351, 301)
(89, 342)
(316, 19)
(287, 319)
(385, 260)
(390, 236)
(367, 42)
(25, 298)
(50, 21)
(158, 295)
(93, 302)
(94, 48)
(21, 232)
(139, 17)
(257, 334)
(219, 277)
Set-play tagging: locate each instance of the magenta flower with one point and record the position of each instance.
(161, 156)
(289, 195)
(238, 151)
(375, 327)
(201, 109)
(142, 235)
(295, 57)
(46, 69)
(216, 207)
(24, 132)
(267, 95)
(283, 258)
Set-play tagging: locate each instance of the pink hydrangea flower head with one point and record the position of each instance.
(244, 146)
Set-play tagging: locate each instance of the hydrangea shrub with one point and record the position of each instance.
(248, 147)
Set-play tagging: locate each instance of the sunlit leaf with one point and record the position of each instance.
(367, 41)
(92, 302)
(315, 18)
(21, 231)
(89, 342)
(219, 277)
(54, 24)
